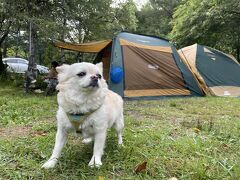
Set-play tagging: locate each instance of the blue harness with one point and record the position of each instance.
(77, 120)
(77, 117)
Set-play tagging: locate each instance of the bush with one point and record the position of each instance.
(18, 80)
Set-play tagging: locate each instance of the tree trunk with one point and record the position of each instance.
(4, 53)
(40, 58)
(31, 73)
(2, 66)
(1, 62)
(78, 57)
(238, 48)
(63, 30)
(238, 54)
(62, 37)
(3, 38)
(17, 45)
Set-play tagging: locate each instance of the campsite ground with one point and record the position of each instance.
(187, 138)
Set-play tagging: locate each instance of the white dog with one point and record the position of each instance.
(86, 105)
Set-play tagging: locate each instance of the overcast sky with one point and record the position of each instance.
(139, 3)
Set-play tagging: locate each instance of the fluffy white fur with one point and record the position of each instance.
(77, 96)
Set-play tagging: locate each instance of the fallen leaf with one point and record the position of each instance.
(173, 178)
(225, 145)
(13, 164)
(39, 133)
(100, 178)
(141, 167)
(196, 130)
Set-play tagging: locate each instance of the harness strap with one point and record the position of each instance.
(77, 117)
(77, 120)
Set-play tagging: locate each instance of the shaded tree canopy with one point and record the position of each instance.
(209, 22)
(76, 20)
(154, 18)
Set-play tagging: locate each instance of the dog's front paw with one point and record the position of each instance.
(95, 161)
(50, 163)
(87, 140)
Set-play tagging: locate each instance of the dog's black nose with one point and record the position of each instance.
(94, 78)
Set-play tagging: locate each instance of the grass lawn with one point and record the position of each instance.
(186, 138)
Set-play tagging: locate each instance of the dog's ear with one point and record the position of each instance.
(62, 73)
(100, 66)
(62, 68)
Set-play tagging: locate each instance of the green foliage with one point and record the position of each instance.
(126, 16)
(213, 23)
(76, 21)
(190, 20)
(96, 20)
(12, 52)
(13, 79)
(154, 18)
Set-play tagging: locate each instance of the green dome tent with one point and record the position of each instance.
(217, 73)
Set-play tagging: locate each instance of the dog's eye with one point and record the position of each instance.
(81, 74)
(99, 76)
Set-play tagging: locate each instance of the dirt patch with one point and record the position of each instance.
(24, 131)
(49, 119)
(134, 114)
(13, 132)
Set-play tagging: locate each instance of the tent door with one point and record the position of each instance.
(151, 73)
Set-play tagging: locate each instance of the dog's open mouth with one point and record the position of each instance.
(93, 84)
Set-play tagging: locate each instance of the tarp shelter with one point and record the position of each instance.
(141, 66)
(216, 72)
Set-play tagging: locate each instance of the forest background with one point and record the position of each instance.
(214, 23)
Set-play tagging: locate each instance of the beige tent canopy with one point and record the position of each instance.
(91, 47)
